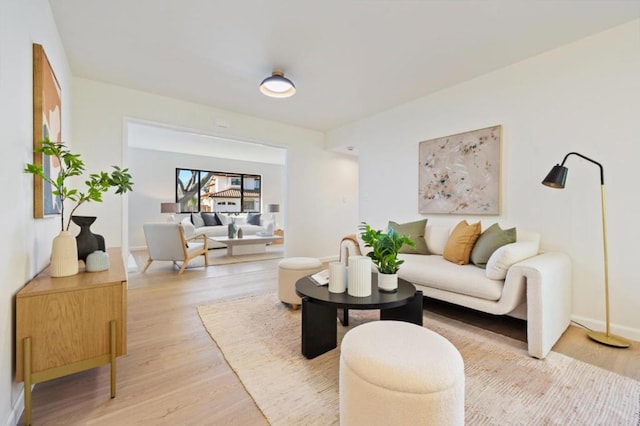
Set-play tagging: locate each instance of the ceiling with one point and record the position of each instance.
(348, 58)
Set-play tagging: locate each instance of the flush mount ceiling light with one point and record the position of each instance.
(277, 86)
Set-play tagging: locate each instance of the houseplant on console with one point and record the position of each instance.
(384, 254)
(64, 254)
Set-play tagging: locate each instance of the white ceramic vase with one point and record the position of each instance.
(359, 276)
(64, 255)
(388, 282)
(337, 277)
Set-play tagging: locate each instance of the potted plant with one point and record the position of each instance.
(384, 254)
(62, 261)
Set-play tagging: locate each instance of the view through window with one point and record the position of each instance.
(208, 191)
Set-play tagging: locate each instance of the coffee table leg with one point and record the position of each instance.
(411, 312)
(343, 316)
(319, 328)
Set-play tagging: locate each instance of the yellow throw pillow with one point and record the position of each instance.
(460, 242)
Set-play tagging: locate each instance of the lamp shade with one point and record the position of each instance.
(277, 86)
(169, 207)
(273, 208)
(556, 177)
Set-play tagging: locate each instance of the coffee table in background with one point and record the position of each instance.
(249, 244)
(320, 309)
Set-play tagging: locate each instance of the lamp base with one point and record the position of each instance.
(610, 340)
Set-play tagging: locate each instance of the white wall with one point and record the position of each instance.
(26, 242)
(320, 203)
(582, 97)
(155, 183)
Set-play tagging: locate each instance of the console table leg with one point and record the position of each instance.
(26, 367)
(113, 350)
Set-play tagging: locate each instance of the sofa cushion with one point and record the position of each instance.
(489, 241)
(210, 219)
(460, 242)
(436, 237)
(197, 220)
(436, 272)
(415, 231)
(253, 219)
(505, 256)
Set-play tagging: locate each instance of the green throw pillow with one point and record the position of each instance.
(490, 240)
(415, 231)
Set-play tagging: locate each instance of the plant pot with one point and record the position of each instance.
(64, 255)
(387, 283)
(87, 241)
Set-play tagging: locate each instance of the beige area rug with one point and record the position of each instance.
(260, 339)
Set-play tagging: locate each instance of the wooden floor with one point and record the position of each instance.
(174, 374)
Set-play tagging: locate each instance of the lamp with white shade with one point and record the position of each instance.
(170, 208)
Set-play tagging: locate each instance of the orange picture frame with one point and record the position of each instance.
(47, 122)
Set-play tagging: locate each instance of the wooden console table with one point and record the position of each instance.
(69, 324)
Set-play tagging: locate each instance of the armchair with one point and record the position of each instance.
(166, 241)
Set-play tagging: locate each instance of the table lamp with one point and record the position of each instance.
(273, 208)
(556, 179)
(170, 208)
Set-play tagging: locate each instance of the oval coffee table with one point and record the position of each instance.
(320, 309)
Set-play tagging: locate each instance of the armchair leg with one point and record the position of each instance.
(147, 265)
(206, 259)
(184, 265)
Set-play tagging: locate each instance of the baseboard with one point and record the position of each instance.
(329, 259)
(17, 410)
(619, 330)
(132, 266)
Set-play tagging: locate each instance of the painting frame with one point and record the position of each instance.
(47, 122)
(461, 174)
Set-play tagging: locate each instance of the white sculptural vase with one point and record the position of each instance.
(359, 276)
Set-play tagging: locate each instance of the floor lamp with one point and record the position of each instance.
(556, 179)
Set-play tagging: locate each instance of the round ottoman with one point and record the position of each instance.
(398, 373)
(291, 270)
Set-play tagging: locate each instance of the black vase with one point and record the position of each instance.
(87, 241)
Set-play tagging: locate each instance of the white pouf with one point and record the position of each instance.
(398, 373)
(291, 270)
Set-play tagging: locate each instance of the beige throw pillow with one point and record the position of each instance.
(460, 242)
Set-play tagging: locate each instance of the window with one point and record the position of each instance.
(208, 191)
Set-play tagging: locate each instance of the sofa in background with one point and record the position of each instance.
(215, 225)
(511, 278)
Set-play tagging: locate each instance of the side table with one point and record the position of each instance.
(69, 324)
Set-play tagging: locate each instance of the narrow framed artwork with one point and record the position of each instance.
(460, 174)
(47, 122)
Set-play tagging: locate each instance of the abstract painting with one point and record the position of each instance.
(460, 174)
(47, 122)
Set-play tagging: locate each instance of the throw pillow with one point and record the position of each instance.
(505, 256)
(210, 219)
(223, 218)
(489, 241)
(197, 221)
(460, 242)
(253, 219)
(415, 231)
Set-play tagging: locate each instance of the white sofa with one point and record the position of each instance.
(519, 281)
(212, 232)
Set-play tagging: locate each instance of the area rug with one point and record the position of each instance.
(260, 339)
